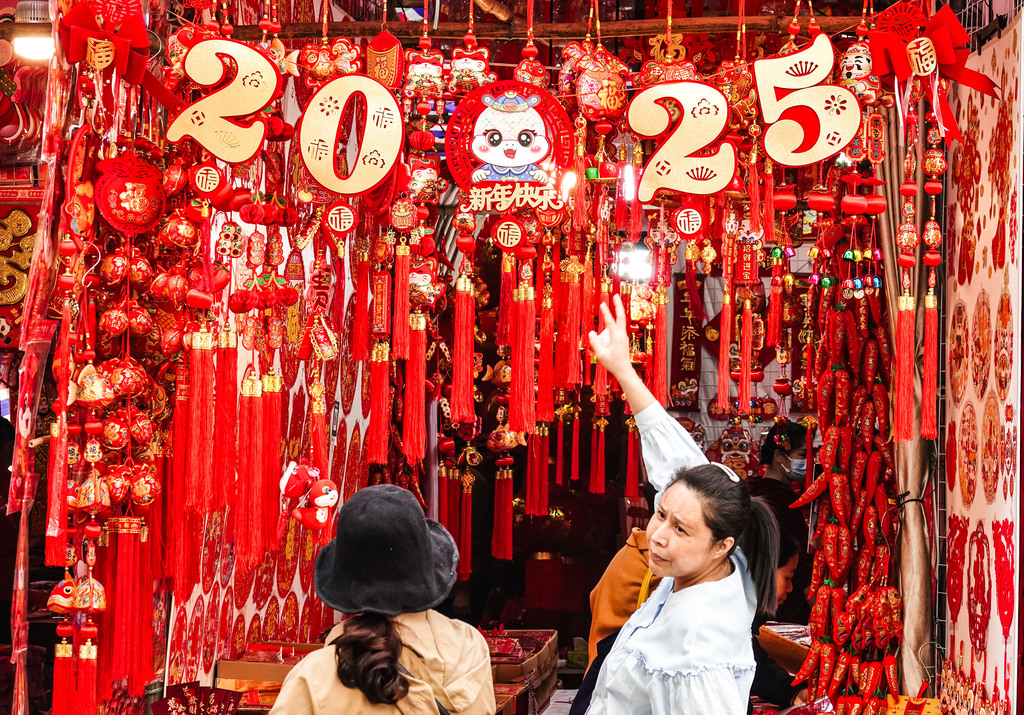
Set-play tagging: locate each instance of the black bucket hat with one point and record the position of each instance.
(386, 557)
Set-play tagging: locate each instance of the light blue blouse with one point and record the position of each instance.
(687, 652)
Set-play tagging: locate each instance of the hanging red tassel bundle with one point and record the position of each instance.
(659, 356)
(454, 487)
(522, 398)
(400, 320)
(180, 549)
(273, 405)
(199, 468)
(724, 343)
(597, 471)
(380, 404)
(506, 298)
(754, 192)
(696, 302)
(57, 481)
(225, 447)
(64, 671)
(560, 454)
(773, 331)
(462, 405)
(443, 517)
(625, 191)
(414, 418)
(746, 357)
(904, 408)
(466, 526)
(545, 364)
(589, 311)
(361, 327)
(632, 490)
(85, 691)
(501, 544)
(929, 397)
(574, 473)
(581, 203)
(568, 369)
(636, 209)
(543, 471)
(249, 528)
(769, 200)
(531, 503)
(318, 424)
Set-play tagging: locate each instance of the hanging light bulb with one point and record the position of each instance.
(33, 45)
(568, 184)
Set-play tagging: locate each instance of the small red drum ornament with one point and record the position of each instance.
(130, 194)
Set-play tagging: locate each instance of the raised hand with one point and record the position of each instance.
(611, 346)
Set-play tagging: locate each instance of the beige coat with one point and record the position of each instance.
(452, 652)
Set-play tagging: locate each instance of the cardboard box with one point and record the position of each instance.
(787, 653)
(544, 689)
(505, 704)
(260, 671)
(542, 655)
(515, 696)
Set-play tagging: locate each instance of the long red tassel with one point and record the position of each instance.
(443, 516)
(754, 192)
(522, 399)
(809, 477)
(546, 361)
(225, 447)
(769, 200)
(462, 364)
(466, 528)
(414, 419)
(622, 200)
(506, 298)
(904, 417)
(454, 508)
(724, 342)
(361, 326)
(659, 366)
(632, 490)
(248, 524)
(380, 404)
(597, 475)
(929, 417)
(400, 320)
(773, 331)
(85, 692)
(141, 672)
(242, 504)
(180, 549)
(589, 311)
(571, 373)
(318, 426)
(531, 487)
(560, 454)
(57, 482)
(63, 674)
(501, 546)
(746, 348)
(636, 209)
(543, 469)
(581, 203)
(200, 428)
(574, 473)
(268, 508)
(697, 311)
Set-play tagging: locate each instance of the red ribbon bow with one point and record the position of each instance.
(950, 40)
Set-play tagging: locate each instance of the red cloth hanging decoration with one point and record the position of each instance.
(414, 420)
(462, 404)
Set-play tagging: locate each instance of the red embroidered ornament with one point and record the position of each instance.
(130, 194)
(956, 542)
(979, 588)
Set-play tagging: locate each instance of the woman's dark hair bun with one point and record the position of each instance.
(367, 654)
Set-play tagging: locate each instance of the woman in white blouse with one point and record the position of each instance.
(687, 650)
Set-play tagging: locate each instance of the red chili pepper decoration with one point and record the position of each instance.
(873, 679)
(880, 397)
(838, 676)
(828, 295)
(826, 386)
(860, 396)
(883, 445)
(826, 664)
(845, 452)
(885, 523)
(810, 664)
(841, 391)
(842, 626)
(869, 529)
(870, 361)
(854, 344)
(819, 611)
(860, 465)
(881, 569)
(830, 543)
(867, 424)
(884, 355)
(817, 488)
(858, 513)
(872, 473)
(854, 678)
(829, 449)
(844, 551)
(856, 705)
(879, 706)
(824, 517)
(863, 317)
(837, 484)
(892, 673)
(817, 570)
(864, 561)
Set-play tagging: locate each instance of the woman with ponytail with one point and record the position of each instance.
(687, 650)
(388, 567)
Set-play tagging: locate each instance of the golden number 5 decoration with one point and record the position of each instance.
(379, 145)
(673, 167)
(215, 120)
(809, 121)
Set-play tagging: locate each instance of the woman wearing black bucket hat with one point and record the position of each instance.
(387, 567)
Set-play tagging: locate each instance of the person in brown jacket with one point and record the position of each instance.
(389, 566)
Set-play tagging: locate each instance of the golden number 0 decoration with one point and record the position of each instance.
(214, 121)
(797, 107)
(379, 145)
(673, 167)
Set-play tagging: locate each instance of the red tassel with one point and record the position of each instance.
(466, 527)
(141, 673)
(400, 321)
(809, 477)
(543, 457)
(225, 448)
(200, 427)
(64, 677)
(597, 475)
(697, 311)
(501, 545)
(624, 193)
(568, 366)
(85, 692)
(769, 209)
(454, 510)
(632, 490)
(462, 405)
(773, 334)
(180, 548)
(443, 517)
(574, 473)
(904, 417)
(248, 524)
(318, 426)
(724, 342)
(929, 417)
(560, 455)
(380, 404)
(506, 298)
(522, 398)
(268, 506)
(746, 350)
(659, 356)
(532, 487)
(546, 360)
(754, 192)
(636, 209)
(581, 203)
(589, 311)
(361, 327)
(414, 420)
(57, 481)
